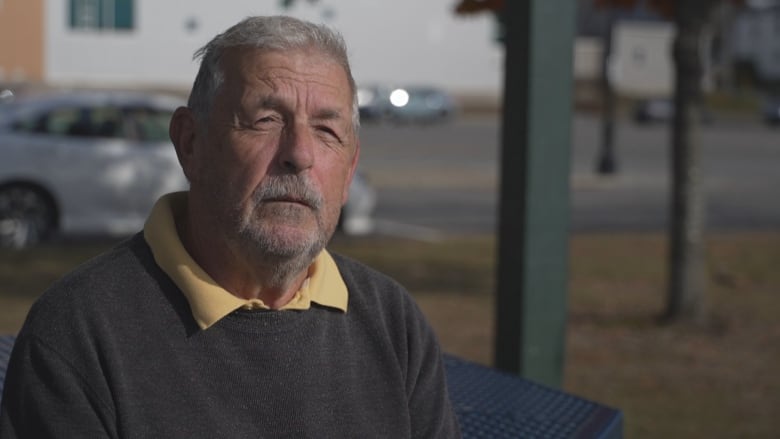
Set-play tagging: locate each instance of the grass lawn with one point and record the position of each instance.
(671, 381)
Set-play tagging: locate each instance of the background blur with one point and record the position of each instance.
(431, 86)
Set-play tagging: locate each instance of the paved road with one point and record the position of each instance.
(443, 179)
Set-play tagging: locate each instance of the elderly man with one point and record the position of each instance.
(226, 317)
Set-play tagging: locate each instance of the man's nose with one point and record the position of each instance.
(296, 151)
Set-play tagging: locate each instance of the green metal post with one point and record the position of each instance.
(534, 211)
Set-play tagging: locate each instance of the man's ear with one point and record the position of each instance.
(183, 132)
(351, 173)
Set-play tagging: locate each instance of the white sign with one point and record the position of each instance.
(641, 63)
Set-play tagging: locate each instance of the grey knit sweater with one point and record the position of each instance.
(112, 350)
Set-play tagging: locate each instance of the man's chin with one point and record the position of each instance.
(284, 240)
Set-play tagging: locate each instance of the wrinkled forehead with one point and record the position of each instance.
(273, 68)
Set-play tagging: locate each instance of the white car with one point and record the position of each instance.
(94, 163)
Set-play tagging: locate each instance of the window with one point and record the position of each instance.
(74, 122)
(135, 123)
(101, 14)
(147, 124)
(56, 123)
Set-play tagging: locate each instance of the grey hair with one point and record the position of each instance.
(272, 33)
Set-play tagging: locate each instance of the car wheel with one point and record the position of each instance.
(27, 216)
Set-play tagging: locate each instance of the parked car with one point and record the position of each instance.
(94, 163)
(357, 216)
(6, 96)
(421, 105)
(661, 110)
(373, 102)
(418, 104)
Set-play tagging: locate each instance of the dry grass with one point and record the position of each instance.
(678, 381)
(671, 381)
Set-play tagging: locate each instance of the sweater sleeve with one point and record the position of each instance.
(392, 311)
(432, 414)
(47, 397)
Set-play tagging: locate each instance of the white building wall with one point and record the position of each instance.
(757, 36)
(398, 42)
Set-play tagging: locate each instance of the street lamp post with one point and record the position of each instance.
(606, 163)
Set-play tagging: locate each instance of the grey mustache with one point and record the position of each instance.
(288, 187)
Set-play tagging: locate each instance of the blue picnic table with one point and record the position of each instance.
(495, 405)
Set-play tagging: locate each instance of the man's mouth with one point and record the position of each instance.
(291, 200)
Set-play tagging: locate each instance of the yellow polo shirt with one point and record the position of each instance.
(210, 302)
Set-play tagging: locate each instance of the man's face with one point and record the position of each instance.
(275, 163)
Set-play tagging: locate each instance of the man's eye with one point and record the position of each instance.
(265, 120)
(329, 132)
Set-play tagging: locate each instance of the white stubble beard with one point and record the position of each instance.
(277, 235)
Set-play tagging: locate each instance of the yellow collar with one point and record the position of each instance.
(209, 301)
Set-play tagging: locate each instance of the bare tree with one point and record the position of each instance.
(687, 269)
(686, 299)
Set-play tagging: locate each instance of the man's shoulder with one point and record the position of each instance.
(356, 272)
(103, 281)
(129, 258)
(373, 291)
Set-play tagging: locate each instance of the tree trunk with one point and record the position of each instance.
(687, 269)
